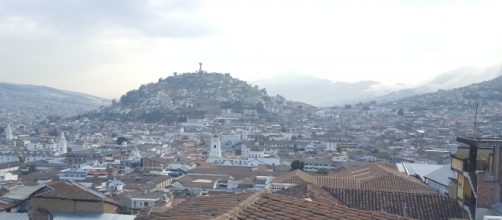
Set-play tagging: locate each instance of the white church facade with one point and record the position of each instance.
(248, 157)
(61, 146)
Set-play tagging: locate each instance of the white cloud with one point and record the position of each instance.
(108, 47)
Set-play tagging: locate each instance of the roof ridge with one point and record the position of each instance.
(250, 200)
(90, 191)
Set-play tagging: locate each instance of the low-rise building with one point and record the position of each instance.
(72, 197)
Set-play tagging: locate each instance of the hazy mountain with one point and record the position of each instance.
(488, 94)
(448, 80)
(323, 92)
(40, 101)
(195, 95)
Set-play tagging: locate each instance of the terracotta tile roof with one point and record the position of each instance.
(295, 177)
(310, 191)
(39, 175)
(202, 207)
(262, 205)
(369, 192)
(377, 187)
(237, 173)
(378, 177)
(337, 182)
(72, 191)
(414, 205)
(274, 206)
(372, 177)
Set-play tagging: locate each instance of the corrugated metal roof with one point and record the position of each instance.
(22, 192)
(418, 169)
(441, 175)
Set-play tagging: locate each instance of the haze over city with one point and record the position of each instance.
(250, 110)
(106, 48)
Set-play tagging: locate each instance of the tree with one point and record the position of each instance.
(121, 140)
(297, 165)
(260, 108)
(400, 112)
(322, 171)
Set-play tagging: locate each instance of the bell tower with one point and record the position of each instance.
(62, 144)
(8, 133)
(215, 151)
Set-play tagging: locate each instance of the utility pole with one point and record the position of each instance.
(475, 121)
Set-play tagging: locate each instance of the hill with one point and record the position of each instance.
(488, 94)
(30, 102)
(323, 92)
(195, 95)
(449, 80)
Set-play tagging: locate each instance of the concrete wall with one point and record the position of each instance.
(486, 191)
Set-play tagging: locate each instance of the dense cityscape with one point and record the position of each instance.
(215, 153)
(250, 110)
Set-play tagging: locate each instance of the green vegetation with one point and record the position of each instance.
(322, 171)
(121, 140)
(297, 165)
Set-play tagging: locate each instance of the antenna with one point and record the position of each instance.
(475, 121)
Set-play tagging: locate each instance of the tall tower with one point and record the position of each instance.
(8, 133)
(200, 67)
(215, 151)
(62, 144)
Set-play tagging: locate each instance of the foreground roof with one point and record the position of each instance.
(377, 187)
(262, 205)
(72, 191)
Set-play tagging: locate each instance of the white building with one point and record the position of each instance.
(248, 158)
(314, 165)
(62, 144)
(8, 133)
(34, 146)
(229, 140)
(8, 158)
(215, 151)
(340, 157)
(7, 177)
(72, 174)
(115, 185)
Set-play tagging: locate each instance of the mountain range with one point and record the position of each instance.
(196, 95)
(31, 100)
(323, 92)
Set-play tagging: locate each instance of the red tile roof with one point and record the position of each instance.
(262, 205)
(72, 191)
(413, 205)
(274, 206)
(377, 187)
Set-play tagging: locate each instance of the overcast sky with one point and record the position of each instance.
(106, 48)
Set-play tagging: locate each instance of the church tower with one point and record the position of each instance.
(8, 133)
(62, 144)
(215, 151)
